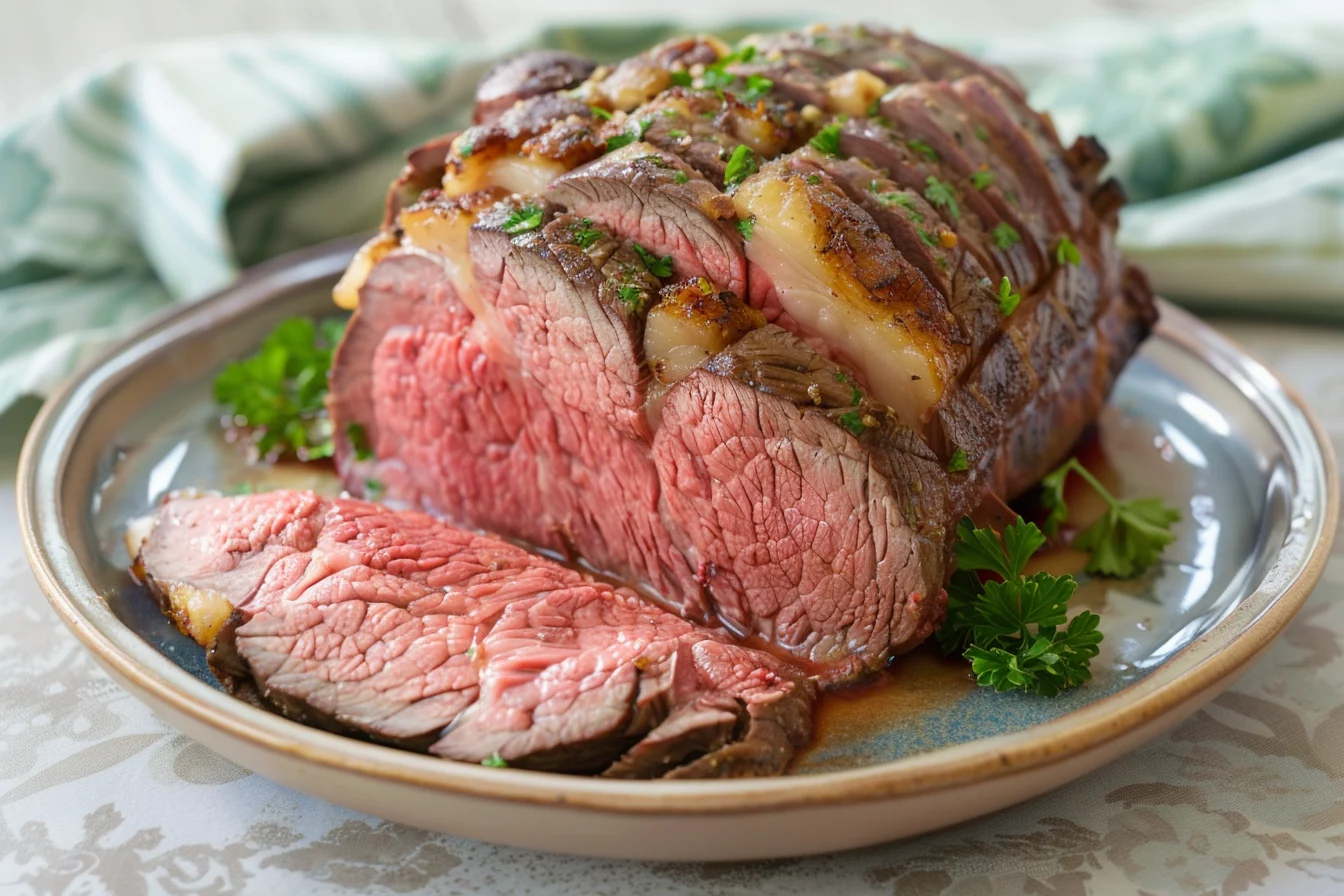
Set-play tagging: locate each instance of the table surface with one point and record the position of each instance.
(98, 795)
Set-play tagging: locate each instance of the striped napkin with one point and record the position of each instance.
(156, 178)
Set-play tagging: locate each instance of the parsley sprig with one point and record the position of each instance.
(1015, 629)
(278, 393)
(1128, 538)
(742, 164)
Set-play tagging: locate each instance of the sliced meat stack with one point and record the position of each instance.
(750, 328)
(402, 629)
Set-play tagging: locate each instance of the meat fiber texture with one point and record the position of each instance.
(400, 628)
(803, 483)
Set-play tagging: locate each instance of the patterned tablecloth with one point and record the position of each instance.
(98, 795)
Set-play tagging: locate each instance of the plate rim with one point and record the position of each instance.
(1218, 655)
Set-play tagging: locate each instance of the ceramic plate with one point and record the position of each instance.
(1193, 419)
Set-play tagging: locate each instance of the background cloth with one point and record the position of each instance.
(156, 178)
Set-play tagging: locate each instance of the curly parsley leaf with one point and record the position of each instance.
(523, 219)
(1127, 539)
(982, 179)
(758, 88)
(279, 393)
(742, 164)
(632, 134)
(958, 462)
(942, 196)
(1015, 630)
(1009, 299)
(827, 140)
(658, 267)
(747, 227)
(584, 233)
(1005, 235)
(1066, 252)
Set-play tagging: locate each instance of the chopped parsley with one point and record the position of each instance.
(814, 180)
(279, 392)
(758, 88)
(680, 177)
(942, 195)
(373, 489)
(958, 462)
(523, 219)
(742, 164)
(981, 134)
(874, 107)
(827, 140)
(1015, 629)
(584, 233)
(599, 112)
(632, 134)
(927, 237)
(358, 438)
(1008, 299)
(1005, 235)
(494, 760)
(982, 179)
(923, 150)
(1066, 252)
(681, 78)
(1127, 539)
(676, 133)
(746, 227)
(631, 297)
(658, 267)
(465, 149)
(715, 78)
(911, 210)
(852, 421)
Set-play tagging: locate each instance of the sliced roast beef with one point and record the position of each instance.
(650, 196)
(405, 630)
(523, 77)
(816, 518)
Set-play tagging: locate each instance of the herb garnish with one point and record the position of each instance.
(523, 219)
(279, 392)
(681, 78)
(911, 210)
(1015, 630)
(631, 297)
(1008, 299)
(584, 234)
(1005, 235)
(632, 134)
(758, 88)
(742, 164)
(494, 760)
(981, 134)
(680, 177)
(814, 180)
(958, 462)
(746, 227)
(982, 179)
(1066, 252)
(827, 140)
(599, 112)
(852, 421)
(658, 267)
(1127, 539)
(923, 150)
(941, 195)
(358, 438)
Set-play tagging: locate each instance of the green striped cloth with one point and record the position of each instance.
(157, 178)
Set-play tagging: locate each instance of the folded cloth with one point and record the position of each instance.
(156, 178)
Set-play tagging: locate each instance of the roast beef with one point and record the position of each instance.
(937, 310)
(402, 629)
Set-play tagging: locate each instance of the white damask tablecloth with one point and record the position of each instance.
(97, 795)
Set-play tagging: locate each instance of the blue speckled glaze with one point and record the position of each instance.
(1173, 428)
